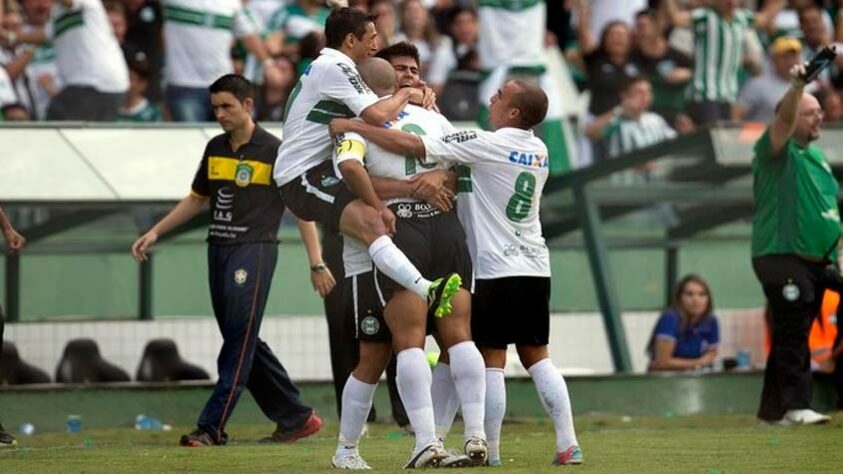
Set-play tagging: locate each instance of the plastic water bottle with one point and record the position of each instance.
(26, 429)
(74, 423)
(743, 359)
(143, 422)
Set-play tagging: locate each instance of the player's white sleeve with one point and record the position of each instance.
(464, 146)
(349, 146)
(343, 83)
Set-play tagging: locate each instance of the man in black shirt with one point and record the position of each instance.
(236, 176)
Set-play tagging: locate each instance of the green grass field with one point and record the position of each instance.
(709, 445)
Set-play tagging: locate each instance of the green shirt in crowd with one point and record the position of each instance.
(795, 201)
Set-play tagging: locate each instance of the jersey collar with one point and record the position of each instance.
(339, 55)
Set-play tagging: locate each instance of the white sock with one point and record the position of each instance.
(468, 372)
(393, 263)
(553, 393)
(495, 410)
(413, 379)
(356, 403)
(445, 400)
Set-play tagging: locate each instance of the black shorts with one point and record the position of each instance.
(318, 195)
(364, 303)
(364, 307)
(512, 310)
(434, 241)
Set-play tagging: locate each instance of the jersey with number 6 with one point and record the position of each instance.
(499, 196)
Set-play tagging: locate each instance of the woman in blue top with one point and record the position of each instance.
(686, 336)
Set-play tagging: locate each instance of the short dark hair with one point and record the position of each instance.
(344, 21)
(459, 11)
(236, 84)
(531, 101)
(399, 50)
(632, 81)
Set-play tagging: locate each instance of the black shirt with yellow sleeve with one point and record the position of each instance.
(245, 204)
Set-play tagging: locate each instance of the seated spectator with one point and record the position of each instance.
(15, 59)
(668, 69)
(273, 99)
(144, 40)
(686, 336)
(630, 125)
(136, 107)
(292, 23)
(759, 96)
(455, 51)
(418, 29)
(720, 36)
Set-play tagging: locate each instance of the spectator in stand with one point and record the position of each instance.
(385, 21)
(309, 49)
(263, 10)
(14, 59)
(198, 35)
(815, 36)
(608, 64)
(630, 125)
(831, 104)
(686, 336)
(418, 29)
(759, 96)
(668, 69)
(456, 51)
(144, 41)
(42, 78)
(117, 18)
(787, 22)
(273, 99)
(292, 23)
(14, 112)
(136, 107)
(720, 35)
(94, 84)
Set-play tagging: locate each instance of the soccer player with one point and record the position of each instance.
(331, 87)
(435, 241)
(499, 208)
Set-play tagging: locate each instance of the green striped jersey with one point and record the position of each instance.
(718, 54)
(624, 135)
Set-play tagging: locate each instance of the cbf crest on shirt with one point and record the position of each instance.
(244, 203)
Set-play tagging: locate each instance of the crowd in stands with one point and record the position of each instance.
(652, 69)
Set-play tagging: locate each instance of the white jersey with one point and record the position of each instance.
(330, 87)
(499, 199)
(198, 35)
(511, 33)
(87, 53)
(384, 164)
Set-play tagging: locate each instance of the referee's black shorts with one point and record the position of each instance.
(434, 241)
(511, 310)
(318, 195)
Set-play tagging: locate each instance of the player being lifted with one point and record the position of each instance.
(435, 241)
(498, 205)
(331, 87)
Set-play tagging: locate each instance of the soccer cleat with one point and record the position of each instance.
(199, 438)
(572, 455)
(351, 461)
(6, 439)
(441, 294)
(310, 427)
(805, 417)
(455, 458)
(431, 456)
(477, 451)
